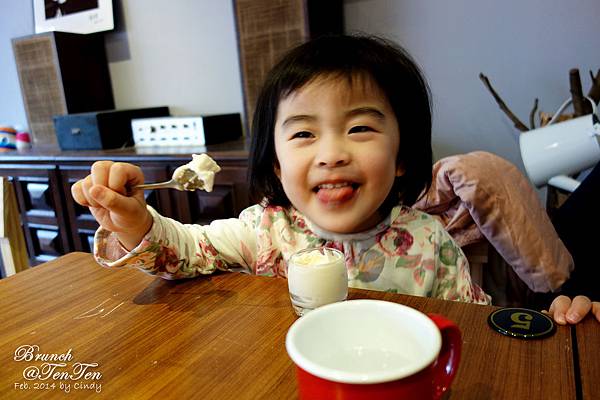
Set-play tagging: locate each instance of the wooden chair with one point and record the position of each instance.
(478, 256)
(13, 253)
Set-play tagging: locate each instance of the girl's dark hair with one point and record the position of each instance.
(351, 56)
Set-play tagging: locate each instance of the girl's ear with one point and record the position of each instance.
(277, 169)
(400, 170)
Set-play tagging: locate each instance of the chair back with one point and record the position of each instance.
(13, 253)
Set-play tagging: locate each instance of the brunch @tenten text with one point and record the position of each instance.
(51, 371)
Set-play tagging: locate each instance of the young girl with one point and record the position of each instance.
(341, 145)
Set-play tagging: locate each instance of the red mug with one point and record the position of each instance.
(372, 349)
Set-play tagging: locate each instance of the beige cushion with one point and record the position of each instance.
(478, 195)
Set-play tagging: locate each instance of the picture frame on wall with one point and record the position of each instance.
(74, 16)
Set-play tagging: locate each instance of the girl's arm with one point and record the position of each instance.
(453, 278)
(173, 250)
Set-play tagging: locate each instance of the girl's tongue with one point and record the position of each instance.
(336, 194)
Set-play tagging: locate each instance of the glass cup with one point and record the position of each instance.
(316, 277)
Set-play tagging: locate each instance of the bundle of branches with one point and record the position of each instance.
(580, 105)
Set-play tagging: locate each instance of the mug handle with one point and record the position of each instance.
(564, 182)
(446, 364)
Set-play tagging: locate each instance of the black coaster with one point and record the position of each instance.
(521, 323)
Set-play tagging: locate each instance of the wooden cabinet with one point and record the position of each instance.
(228, 198)
(42, 216)
(53, 224)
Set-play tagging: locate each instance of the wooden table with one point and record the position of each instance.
(587, 358)
(222, 337)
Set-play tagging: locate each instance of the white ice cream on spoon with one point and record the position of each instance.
(197, 174)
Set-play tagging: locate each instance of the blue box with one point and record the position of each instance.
(99, 130)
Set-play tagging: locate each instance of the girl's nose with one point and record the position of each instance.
(332, 153)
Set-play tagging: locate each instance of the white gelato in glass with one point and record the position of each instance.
(316, 277)
(198, 173)
(315, 257)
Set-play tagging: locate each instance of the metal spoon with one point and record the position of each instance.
(191, 181)
(170, 184)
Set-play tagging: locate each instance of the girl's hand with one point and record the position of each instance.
(564, 311)
(105, 192)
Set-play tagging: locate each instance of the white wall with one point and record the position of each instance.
(179, 53)
(182, 53)
(526, 48)
(16, 19)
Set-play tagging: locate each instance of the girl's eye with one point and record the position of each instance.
(360, 129)
(302, 135)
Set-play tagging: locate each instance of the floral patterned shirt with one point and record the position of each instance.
(409, 252)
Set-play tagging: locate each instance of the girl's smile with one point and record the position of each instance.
(336, 141)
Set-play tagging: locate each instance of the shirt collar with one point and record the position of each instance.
(358, 236)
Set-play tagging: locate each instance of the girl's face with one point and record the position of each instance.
(336, 144)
